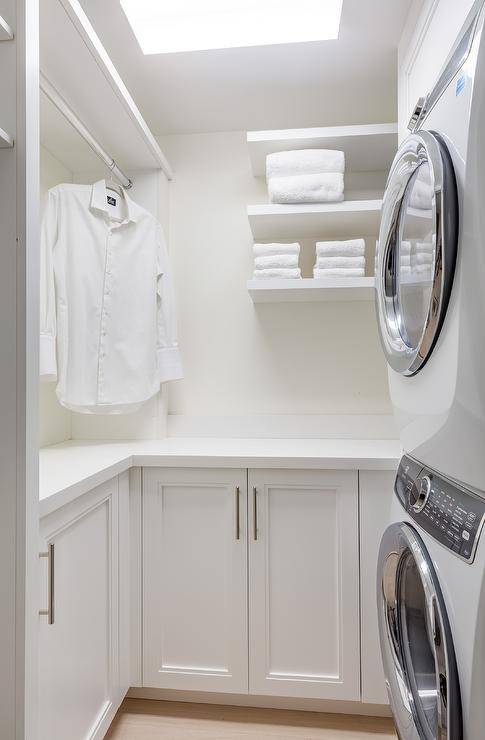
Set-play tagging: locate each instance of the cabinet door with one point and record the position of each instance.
(376, 491)
(78, 653)
(195, 579)
(304, 584)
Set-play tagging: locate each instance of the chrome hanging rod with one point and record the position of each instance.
(50, 91)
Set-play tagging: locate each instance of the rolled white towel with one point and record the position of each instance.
(338, 272)
(324, 262)
(282, 272)
(349, 248)
(323, 188)
(276, 260)
(304, 162)
(260, 250)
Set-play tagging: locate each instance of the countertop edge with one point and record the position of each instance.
(54, 496)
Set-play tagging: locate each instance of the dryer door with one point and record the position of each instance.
(416, 251)
(416, 642)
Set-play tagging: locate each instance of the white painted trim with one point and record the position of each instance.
(136, 575)
(266, 702)
(85, 29)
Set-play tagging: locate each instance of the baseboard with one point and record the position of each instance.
(265, 702)
(302, 426)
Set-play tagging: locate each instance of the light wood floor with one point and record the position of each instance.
(155, 720)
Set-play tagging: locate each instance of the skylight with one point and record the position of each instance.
(167, 26)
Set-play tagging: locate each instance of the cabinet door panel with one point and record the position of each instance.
(195, 603)
(304, 600)
(78, 662)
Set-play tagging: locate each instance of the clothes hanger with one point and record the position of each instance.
(111, 184)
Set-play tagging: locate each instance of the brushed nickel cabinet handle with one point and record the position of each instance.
(49, 612)
(238, 519)
(255, 513)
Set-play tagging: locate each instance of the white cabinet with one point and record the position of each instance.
(303, 580)
(195, 579)
(376, 494)
(83, 673)
(303, 635)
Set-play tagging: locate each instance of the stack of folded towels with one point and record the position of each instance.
(416, 258)
(340, 259)
(276, 260)
(306, 176)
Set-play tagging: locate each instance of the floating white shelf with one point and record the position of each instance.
(367, 148)
(6, 141)
(6, 33)
(346, 220)
(309, 290)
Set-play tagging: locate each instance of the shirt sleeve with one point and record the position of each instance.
(168, 355)
(47, 357)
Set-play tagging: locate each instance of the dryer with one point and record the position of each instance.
(430, 269)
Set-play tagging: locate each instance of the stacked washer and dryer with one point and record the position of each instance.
(430, 293)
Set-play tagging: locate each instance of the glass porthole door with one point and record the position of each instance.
(416, 251)
(416, 641)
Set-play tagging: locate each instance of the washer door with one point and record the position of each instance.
(416, 251)
(416, 642)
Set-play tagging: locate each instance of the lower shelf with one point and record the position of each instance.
(310, 289)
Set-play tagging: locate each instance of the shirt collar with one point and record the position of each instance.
(99, 202)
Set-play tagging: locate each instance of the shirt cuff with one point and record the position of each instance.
(47, 358)
(169, 364)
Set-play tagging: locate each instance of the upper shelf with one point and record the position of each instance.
(347, 220)
(309, 290)
(367, 148)
(75, 62)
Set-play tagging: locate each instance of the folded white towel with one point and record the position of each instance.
(276, 260)
(304, 162)
(349, 248)
(323, 262)
(324, 188)
(427, 247)
(260, 250)
(422, 258)
(421, 196)
(405, 260)
(282, 272)
(405, 247)
(405, 269)
(338, 272)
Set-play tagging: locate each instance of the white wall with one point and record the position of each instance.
(55, 421)
(241, 359)
(428, 37)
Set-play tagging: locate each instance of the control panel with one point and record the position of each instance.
(451, 514)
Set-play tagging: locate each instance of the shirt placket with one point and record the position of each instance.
(105, 314)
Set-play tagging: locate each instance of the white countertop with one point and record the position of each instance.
(72, 468)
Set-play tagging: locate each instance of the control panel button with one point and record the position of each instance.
(418, 498)
(465, 535)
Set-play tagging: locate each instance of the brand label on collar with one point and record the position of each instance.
(111, 200)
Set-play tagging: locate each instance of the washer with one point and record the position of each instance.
(430, 269)
(431, 607)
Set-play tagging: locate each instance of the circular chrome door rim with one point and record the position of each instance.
(419, 148)
(398, 542)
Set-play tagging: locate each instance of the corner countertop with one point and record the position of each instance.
(70, 469)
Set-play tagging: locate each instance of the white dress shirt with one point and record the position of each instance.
(108, 327)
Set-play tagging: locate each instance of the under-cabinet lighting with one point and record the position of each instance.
(168, 26)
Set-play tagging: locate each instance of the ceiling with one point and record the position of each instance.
(351, 80)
